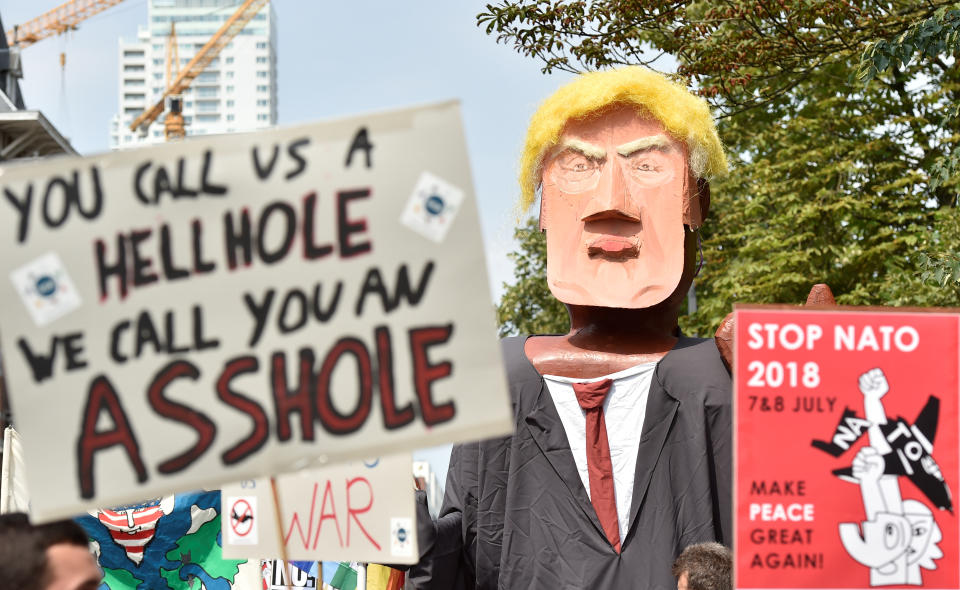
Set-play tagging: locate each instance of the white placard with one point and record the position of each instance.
(244, 304)
(356, 511)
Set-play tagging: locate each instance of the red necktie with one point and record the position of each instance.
(599, 467)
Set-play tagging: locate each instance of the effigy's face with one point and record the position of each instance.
(614, 191)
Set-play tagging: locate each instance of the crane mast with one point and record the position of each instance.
(237, 21)
(173, 126)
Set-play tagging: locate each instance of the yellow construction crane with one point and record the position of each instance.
(173, 125)
(206, 54)
(61, 19)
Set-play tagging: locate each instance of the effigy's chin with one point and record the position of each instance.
(634, 284)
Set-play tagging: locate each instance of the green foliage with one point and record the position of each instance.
(932, 38)
(202, 548)
(527, 306)
(117, 579)
(833, 179)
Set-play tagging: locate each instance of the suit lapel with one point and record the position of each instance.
(544, 425)
(661, 409)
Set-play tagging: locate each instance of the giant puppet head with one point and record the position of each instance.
(622, 160)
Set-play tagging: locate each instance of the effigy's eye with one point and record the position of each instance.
(649, 167)
(574, 172)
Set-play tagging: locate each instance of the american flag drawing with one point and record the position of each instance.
(134, 528)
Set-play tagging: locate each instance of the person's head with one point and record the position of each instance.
(51, 556)
(704, 566)
(622, 159)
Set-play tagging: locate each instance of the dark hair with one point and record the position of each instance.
(23, 546)
(707, 565)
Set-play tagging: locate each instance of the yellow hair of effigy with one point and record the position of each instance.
(685, 116)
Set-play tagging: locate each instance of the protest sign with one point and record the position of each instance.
(846, 448)
(278, 575)
(164, 543)
(227, 307)
(354, 511)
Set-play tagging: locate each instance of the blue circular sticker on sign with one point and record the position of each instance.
(46, 286)
(434, 205)
(402, 535)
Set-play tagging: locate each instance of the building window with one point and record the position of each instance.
(158, 75)
(133, 53)
(261, 44)
(208, 118)
(132, 68)
(262, 74)
(133, 82)
(229, 88)
(262, 60)
(230, 75)
(263, 117)
(230, 103)
(230, 117)
(188, 104)
(229, 60)
(263, 88)
(263, 103)
(133, 96)
(208, 106)
(157, 61)
(207, 91)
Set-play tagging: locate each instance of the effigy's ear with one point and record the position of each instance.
(703, 194)
(541, 222)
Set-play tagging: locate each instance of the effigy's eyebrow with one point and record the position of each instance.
(645, 143)
(587, 149)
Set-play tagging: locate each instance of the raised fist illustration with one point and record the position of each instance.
(868, 464)
(873, 384)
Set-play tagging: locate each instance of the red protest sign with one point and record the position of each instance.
(846, 449)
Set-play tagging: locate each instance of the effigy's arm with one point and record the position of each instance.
(442, 564)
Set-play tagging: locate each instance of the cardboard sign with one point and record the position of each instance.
(163, 543)
(228, 307)
(357, 511)
(846, 449)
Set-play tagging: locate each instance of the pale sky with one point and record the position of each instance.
(334, 59)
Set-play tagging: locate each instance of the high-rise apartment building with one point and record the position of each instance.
(236, 92)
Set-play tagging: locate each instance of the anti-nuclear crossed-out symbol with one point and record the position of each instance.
(241, 517)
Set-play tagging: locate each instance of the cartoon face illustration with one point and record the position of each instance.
(924, 535)
(899, 536)
(134, 528)
(883, 540)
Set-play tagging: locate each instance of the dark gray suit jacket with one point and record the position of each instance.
(516, 515)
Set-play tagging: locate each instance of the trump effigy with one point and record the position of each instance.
(621, 454)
